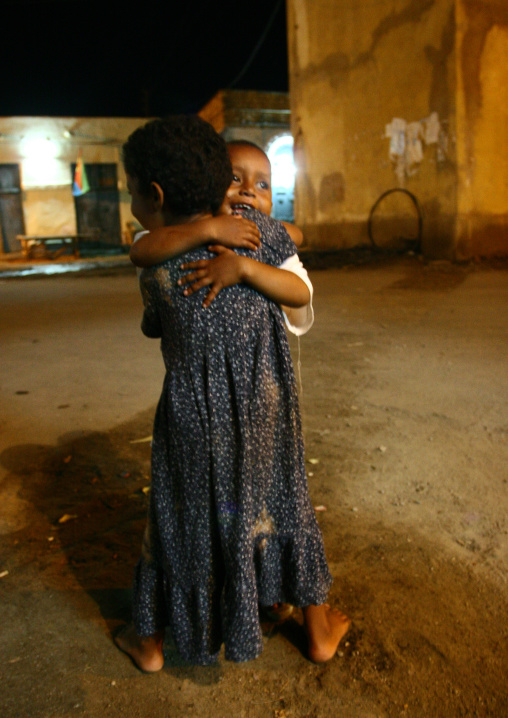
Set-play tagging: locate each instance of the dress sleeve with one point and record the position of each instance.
(150, 324)
(276, 244)
(298, 319)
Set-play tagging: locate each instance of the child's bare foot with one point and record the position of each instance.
(145, 652)
(325, 627)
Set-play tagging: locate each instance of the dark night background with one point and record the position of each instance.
(151, 58)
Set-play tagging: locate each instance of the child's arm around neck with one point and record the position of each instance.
(228, 268)
(167, 242)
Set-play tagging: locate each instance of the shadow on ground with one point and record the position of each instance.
(429, 637)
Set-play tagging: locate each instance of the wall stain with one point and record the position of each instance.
(303, 186)
(332, 189)
(439, 96)
(336, 64)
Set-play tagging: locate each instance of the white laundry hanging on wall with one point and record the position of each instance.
(406, 147)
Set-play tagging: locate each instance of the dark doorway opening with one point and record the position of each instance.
(98, 211)
(12, 221)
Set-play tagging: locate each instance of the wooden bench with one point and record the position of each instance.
(38, 246)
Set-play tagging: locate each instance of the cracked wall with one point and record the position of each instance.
(357, 69)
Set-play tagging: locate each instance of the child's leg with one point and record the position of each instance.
(325, 627)
(278, 612)
(145, 652)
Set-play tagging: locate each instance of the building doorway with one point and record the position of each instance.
(98, 211)
(280, 154)
(12, 221)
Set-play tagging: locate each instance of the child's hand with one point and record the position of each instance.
(222, 271)
(233, 230)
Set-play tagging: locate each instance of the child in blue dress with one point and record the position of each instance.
(231, 525)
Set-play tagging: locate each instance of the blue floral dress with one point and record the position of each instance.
(231, 525)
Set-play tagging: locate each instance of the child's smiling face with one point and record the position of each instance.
(252, 180)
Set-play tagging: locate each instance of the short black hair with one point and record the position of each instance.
(186, 157)
(248, 143)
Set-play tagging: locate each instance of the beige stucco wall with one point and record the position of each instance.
(356, 67)
(45, 147)
(482, 127)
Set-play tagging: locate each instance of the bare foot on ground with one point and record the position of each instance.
(325, 627)
(145, 652)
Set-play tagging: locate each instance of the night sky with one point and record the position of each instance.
(68, 58)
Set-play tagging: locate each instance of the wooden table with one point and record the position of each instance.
(30, 244)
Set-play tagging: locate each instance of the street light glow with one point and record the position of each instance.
(40, 166)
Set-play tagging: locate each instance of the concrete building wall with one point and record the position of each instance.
(45, 148)
(482, 127)
(382, 97)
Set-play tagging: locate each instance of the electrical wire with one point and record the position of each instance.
(258, 45)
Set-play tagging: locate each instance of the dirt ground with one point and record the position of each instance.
(404, 399)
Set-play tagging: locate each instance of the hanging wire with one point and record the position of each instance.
(258, 45)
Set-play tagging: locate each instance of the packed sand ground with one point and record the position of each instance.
(405, 394)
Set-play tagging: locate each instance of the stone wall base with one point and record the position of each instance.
(442, 237)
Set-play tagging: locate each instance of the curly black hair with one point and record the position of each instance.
(186, 157)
